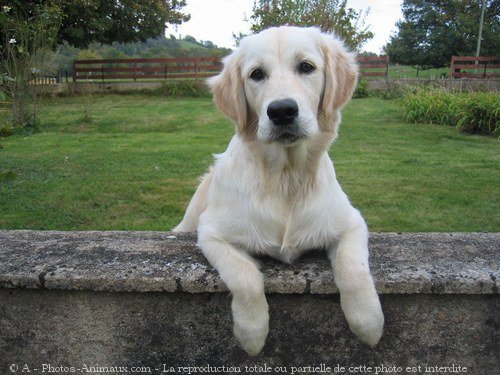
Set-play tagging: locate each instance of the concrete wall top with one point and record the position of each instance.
(409, 263)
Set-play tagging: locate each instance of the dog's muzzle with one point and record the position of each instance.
(283, 114)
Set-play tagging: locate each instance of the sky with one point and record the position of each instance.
(217, 20)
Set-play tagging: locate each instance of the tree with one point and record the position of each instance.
(107, 21)
(30, 27)
(26, 39)
(329, 15)
(434, 30)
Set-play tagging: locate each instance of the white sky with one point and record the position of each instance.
(217, 20)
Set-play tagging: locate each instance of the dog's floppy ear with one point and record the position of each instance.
(341, 73)
(229, 95)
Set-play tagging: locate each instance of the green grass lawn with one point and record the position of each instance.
(405, 71)
(137, 163)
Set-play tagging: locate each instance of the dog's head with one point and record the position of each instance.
(286, 84)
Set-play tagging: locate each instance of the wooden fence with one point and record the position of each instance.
(134, 69)
(485, 67)
(186, 67)
(38, 78)
(373, 66)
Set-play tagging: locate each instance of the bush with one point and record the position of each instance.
(6, 130)
(361, 90)
(474, 112)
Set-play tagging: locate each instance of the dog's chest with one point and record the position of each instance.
(285, 230)
(281, 214)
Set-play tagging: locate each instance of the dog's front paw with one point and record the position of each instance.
(364, 315)
(251, 335)
(251, 325)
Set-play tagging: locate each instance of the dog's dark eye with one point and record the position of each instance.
(257, 74)
(306, 67)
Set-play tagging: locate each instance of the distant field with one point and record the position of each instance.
(136, 165)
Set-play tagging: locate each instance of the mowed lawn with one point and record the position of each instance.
(136, 165)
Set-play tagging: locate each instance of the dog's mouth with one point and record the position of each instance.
(287, 138)
(286, 135)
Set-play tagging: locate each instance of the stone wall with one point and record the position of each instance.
(149, 301)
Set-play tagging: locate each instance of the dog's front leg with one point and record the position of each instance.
(358, 297)
(242, 277)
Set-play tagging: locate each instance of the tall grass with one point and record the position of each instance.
(472, 112)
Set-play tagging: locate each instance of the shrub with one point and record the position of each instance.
(395, 91)
(473, 112)
(362, 89)
(6, 130)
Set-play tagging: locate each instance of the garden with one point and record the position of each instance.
(132, 162)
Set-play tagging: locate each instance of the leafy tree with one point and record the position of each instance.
(26, 38)
(107, 21)
(86, 54)
(329, 15)
(434, 30)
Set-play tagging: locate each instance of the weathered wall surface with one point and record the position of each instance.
(150, 300)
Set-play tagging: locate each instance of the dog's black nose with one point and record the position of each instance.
(282, 112)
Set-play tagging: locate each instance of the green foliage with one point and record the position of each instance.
(475, 112)
(151, 48)
(395, 91)
(6, 130)
(3, 95)
(434, 30)
(26, 27)
(329, 15)
(183, 88)
(107, 21)
(25, 38)
(86, 54)
(361, 89)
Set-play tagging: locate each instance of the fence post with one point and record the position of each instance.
(451, 67)
(135, 72)
(74, 70)
(165, 71)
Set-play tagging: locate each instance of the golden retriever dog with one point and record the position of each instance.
(274, 190)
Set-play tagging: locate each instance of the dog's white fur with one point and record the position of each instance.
(280, 197)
